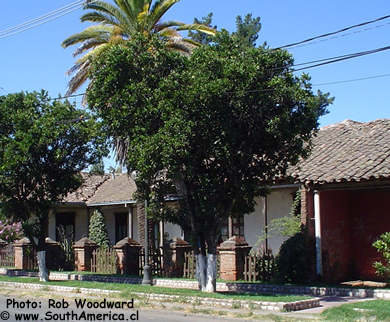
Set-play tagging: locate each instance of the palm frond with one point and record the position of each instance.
(121, 146)
(79, 78)
(127, 9)
(167, 24)
(109, 10)
(159, 8)
(169, 32)
(98, 32)
(198, 27)
(88, 44)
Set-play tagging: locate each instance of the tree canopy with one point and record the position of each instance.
(247, 30)
(44, 145)
(210, 128)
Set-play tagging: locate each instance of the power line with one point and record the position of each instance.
(10, 29)
(352, 80)
(341, 36)
(55, 14)
(336, 59)
(333, 33)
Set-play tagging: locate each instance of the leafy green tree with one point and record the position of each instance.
(44, 145)
(97, 168)
(98, 230)
(118, 22)
(201, 37)
(209, 128)
(247, 30)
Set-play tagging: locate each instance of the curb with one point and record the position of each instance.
(268, 306)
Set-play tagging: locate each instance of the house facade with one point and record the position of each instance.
(345, 189)
(112, 196)
(346, 197)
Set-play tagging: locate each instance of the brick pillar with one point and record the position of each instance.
(141, 223)
(307, 210)
(55, 257)
(3, 244)
(232, 253)
(83, 253)
(21, 249)
(177, 249)
(128, 251)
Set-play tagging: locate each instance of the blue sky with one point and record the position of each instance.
(34, 59)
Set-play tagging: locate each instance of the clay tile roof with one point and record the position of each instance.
(115, 189)
(347, 151)
(88, 188)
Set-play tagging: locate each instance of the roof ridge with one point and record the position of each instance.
(107, 177)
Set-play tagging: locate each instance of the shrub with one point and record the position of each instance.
(9, 231)
(296, 258)
(98, 230)
(382, 245)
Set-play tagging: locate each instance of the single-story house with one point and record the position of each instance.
(346, 193)
(345, 188)
(112, 195)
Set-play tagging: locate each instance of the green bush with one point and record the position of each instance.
(296, 258)
(382, 245)
(98, 230)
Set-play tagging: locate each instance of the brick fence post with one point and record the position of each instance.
(128, 251)
(21, 249)
(83, 253)
(55, 257)
(232, 254)
(3, 244)
(177, 249)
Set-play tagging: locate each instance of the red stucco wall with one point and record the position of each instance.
(335, 233)
(351, 221)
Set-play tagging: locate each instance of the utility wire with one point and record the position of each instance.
(352, 80)
(42, 19)
(10, 29)
(333, 33)
(341, 58)
(341, 36)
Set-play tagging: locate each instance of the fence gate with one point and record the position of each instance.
(7, 256)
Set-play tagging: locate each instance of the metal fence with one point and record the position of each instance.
(7, 256)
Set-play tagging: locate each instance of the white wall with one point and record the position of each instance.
(81, 224)
(279, 203)
(173, 230)
(109, 217)
(52, 225)
(254, 223)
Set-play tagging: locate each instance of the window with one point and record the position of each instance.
(238, 226)
(121, 227)
(65, 226)
(233, 226)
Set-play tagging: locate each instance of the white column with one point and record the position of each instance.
(161, 233)
(317, 223)
(130, 223)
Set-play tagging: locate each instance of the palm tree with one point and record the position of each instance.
(117, 23)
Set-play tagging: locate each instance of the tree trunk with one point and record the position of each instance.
(211, 285)
(201, 271)
(43, 273)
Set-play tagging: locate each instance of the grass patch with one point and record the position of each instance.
(377, 310)
(127, 290)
